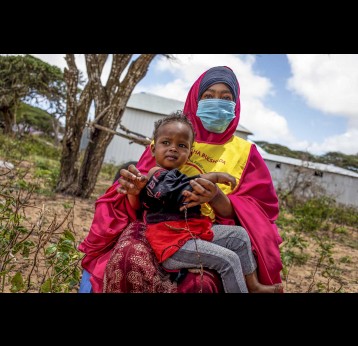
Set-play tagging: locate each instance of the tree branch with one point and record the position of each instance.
(130, 135)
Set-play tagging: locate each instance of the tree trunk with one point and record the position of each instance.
(110, 102)
(92, 162)
(8, 117)
(56, 128)
(76, 117)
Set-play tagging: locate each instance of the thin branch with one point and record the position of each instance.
(134, 138)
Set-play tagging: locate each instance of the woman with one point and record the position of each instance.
(213, 106)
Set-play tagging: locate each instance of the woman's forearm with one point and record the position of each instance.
(222, 205)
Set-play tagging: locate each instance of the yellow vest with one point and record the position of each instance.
(230, 157)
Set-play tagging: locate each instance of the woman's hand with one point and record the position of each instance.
(131, 181)
(203, 192)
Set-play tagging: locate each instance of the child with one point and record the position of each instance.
(188, 239)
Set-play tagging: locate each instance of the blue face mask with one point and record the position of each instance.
(216, 114)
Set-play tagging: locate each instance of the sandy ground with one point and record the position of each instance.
(299, 280)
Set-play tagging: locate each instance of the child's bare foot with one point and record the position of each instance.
(254, 286)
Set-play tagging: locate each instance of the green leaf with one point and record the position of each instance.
(69, 235)
(17, 283)
(46, 286)
(51, 249)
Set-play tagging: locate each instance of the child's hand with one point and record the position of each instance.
(203, 192)
(131, 181)
(220, 178)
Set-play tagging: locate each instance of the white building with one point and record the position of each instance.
(143, 109)
(312, 178)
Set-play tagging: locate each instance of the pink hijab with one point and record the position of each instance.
(191, 106)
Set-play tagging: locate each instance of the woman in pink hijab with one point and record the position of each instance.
(118, 257)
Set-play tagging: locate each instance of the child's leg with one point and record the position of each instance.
(236, 239)
(196, 253)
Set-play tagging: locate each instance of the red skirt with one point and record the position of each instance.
(134, 268)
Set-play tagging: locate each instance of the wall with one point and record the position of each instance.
(341, 187)
(120, 149)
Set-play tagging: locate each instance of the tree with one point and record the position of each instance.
(30, 118)
(78, 178)
(31, 79)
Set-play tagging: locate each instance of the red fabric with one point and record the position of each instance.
(255, 203)
(165, 241)
(256, 207)
(133, 268)
(113, 213)
(210, 282)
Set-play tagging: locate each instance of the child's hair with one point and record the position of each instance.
(177, 116)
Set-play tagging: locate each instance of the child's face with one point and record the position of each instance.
(172, 146)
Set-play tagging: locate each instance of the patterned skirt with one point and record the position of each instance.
(133, 268)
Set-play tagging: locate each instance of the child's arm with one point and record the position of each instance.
(151, 171)
(221, 178)
(133, 184)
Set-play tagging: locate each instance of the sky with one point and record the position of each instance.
(305, 102)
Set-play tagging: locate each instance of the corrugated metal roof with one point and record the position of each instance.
(162, 105)
(312, 165)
